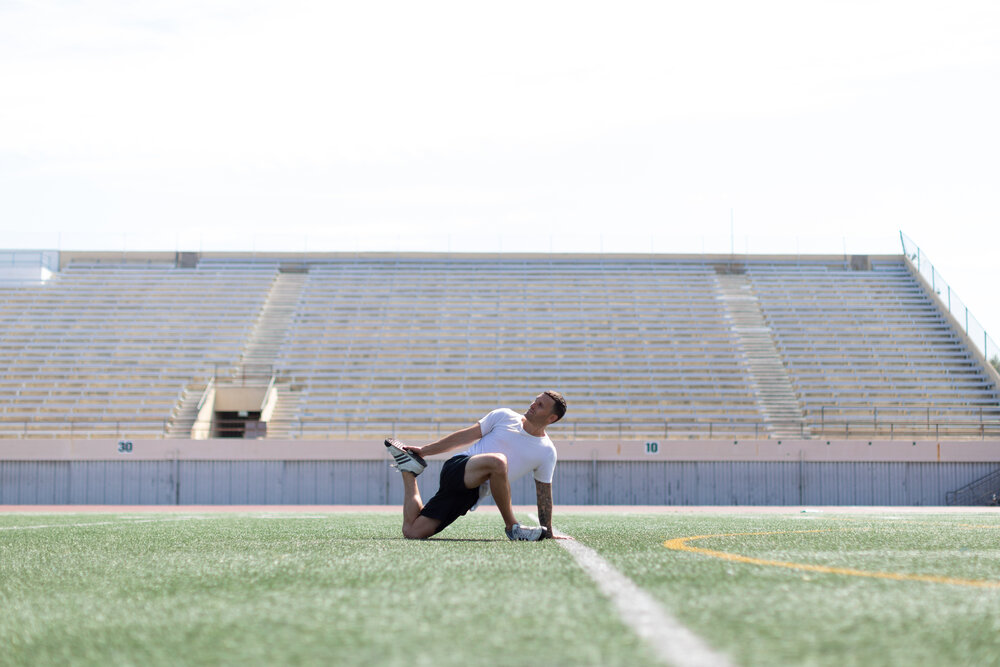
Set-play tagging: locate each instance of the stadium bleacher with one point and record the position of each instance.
(676, 346)
(115, 346)
(860, 345)
(632, 342)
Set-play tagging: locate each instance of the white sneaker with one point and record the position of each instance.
(526, 533)
(405, 461)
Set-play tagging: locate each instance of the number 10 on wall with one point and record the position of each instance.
(652, 448)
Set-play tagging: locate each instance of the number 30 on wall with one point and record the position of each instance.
(124, 446)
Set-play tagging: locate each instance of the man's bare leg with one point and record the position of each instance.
(492, 467)
(415, 526)
(412, 503)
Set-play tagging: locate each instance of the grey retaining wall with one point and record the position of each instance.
(576, 482)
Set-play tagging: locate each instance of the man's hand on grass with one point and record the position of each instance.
(550, 535)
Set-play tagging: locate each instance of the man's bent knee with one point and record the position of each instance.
(422, 528)
(483, 466)
(496, 462)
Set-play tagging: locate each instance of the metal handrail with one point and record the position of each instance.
(848, 429)
(677, 429)
(267, 392)
(205, 394)
(951, 301)
(924, 412)
(982, 491)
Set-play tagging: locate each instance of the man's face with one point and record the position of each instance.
(541, 409)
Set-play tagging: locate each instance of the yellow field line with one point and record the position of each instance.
(681, 544)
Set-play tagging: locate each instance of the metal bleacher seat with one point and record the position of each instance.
(100, 345)
(426, 343)
(446, 339)
(860, 344)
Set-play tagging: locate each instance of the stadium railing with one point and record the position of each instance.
(983, 491)
(845, 428)
(873, 338)
(951, 301)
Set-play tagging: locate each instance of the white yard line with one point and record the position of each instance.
(175, 518)
(99, 523)
(670, 640)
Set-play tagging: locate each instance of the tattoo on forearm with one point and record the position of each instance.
(545, 505)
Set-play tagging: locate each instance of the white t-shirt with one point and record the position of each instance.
(503, 434)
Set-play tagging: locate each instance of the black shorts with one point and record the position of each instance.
(452, 499)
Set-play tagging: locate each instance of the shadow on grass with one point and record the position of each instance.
(429, 539)
(462, 539)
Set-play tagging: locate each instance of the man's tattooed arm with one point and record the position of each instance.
(544, 492)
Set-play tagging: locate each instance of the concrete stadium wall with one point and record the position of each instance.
(760, 472)
(576, 483)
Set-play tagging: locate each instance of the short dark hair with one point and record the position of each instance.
(560, 407)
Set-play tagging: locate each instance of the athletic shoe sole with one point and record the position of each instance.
(405, 460)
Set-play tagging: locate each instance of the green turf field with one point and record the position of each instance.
(255, 588)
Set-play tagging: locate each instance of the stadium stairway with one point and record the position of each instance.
(256, 363)
(772, 387)
(284, 421)
(276, 319)
(185, 413)
(982, 491)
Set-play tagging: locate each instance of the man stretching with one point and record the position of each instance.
(509, 446)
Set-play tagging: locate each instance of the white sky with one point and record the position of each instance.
(570, 126)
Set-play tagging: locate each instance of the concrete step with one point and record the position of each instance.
(266, 341)
(185, 412)
(274, 320)
(284, 420)
(773, 388)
